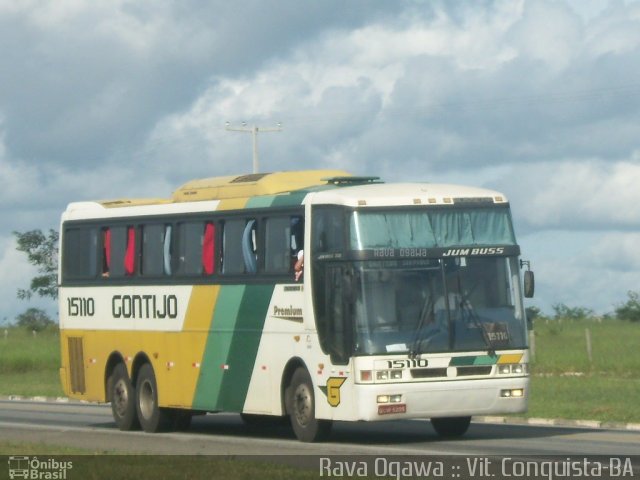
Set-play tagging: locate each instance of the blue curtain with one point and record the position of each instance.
(434, 229)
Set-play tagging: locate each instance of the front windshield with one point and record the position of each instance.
(438, 305)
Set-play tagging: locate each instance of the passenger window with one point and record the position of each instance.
(283, 241)
(115, 251)
(153, 250)
(190, 248)
(239, 246)
(79, 255)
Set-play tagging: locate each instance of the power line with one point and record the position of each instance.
(254, 129)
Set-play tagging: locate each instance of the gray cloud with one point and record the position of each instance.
(108, 99)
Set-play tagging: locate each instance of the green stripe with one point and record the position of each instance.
(475, 360)
(282, 200)
(260, 202)
(238, 321)
(217, 348)
(244, 346)
(289, 200)
(461, 361)
(486, 360)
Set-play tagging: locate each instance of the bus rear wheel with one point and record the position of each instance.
(152, 417)
(450, 427)
(122, 397)
(301, 408)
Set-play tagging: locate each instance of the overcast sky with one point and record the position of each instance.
(538, 99)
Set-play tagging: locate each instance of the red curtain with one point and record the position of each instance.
(130, 254)
(208, 249)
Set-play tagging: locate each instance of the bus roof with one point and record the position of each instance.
(220, 188)
(253, 190)
(396, 194)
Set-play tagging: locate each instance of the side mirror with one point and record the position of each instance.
(529, 284)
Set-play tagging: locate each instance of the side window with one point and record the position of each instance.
(327, 232)
(189, 256)
(278, 245)
(239, 246)
(116, 251)
(284, 238)
(79, 259)
(153, 250)
(297, 235)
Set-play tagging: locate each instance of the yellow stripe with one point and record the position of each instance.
(198, 315)
(232, 204)
(510, 358)
(183, 378)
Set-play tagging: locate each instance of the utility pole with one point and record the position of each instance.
(254, 129)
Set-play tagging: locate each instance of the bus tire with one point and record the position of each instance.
(123, 399)
(152, 418)
(450, 427)
(301, 408)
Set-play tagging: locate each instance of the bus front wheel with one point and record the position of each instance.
(301, 407)
(450, 427)
(122, 398)
(152, 417)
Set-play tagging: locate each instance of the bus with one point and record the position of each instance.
(305, 297)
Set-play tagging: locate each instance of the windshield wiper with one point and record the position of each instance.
(427, 307)
(465, 306)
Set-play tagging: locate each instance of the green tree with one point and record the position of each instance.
(34, 319)
(630, 311)
(42, 252)
(563, 312)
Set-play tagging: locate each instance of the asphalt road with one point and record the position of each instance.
(91, 426)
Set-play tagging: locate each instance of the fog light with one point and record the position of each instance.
(382, 375)
(366, 375)
(513, 392)
(383, 398)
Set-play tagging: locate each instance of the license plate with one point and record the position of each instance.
(394, 408)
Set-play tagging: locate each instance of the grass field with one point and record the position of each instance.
(29, 364)
(565, 382)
